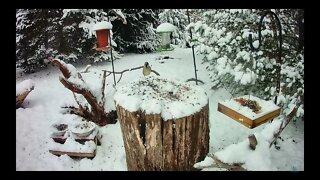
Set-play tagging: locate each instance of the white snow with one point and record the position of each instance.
(153, 95)
(206, 162)
(73, 146)
(102, 25)
(266, 106)
(43, 108)
(23, 86)
(166, 27)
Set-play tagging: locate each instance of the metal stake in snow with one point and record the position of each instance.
(114, 77)
(279, 46)
(194, 59)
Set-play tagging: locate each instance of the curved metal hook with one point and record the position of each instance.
(259, 34)
(279, 46)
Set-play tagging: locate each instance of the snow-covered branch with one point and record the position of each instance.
(71, 81)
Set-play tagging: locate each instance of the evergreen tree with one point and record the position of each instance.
(36, 31)
(80, 36)
(139, 34)
(222, 37)
(64, 34)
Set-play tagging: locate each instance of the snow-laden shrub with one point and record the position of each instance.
(139, 34)
(222, 37)
(59, 33)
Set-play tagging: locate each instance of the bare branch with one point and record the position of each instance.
(131, 69)
(78, 111)
(155, 72)
(62, 68)
(230, 167)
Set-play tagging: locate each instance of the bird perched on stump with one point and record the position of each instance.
(146, 69)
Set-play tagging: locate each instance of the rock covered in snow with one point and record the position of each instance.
(153, 95)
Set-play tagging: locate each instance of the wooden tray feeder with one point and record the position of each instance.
(73, 154)
(239, 112)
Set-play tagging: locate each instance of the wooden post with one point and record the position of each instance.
(152, 144)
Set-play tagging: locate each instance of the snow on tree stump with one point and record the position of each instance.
(22, 91)
(164, 124)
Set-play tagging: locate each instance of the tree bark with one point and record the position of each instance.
(152, 144)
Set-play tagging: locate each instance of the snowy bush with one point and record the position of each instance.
(35, 37)
(222, 37)
(139, 34)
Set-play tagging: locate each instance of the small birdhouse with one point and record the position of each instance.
(165, 29)
(103, 33)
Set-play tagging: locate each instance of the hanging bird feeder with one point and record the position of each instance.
(103, 33)
(165, 29)
(249, 110)
(104, 40)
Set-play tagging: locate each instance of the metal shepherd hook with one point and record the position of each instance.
(114, 78)
(279, 46)
(194, 59)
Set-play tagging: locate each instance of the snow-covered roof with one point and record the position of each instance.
(102, 25)
(166, 27)
(153, 95)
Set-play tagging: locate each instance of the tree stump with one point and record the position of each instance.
(156, 142)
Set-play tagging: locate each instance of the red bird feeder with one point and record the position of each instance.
(102, 30)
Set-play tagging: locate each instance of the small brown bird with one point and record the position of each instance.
(146, 69)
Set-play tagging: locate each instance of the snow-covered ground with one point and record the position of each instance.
(43, 108)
